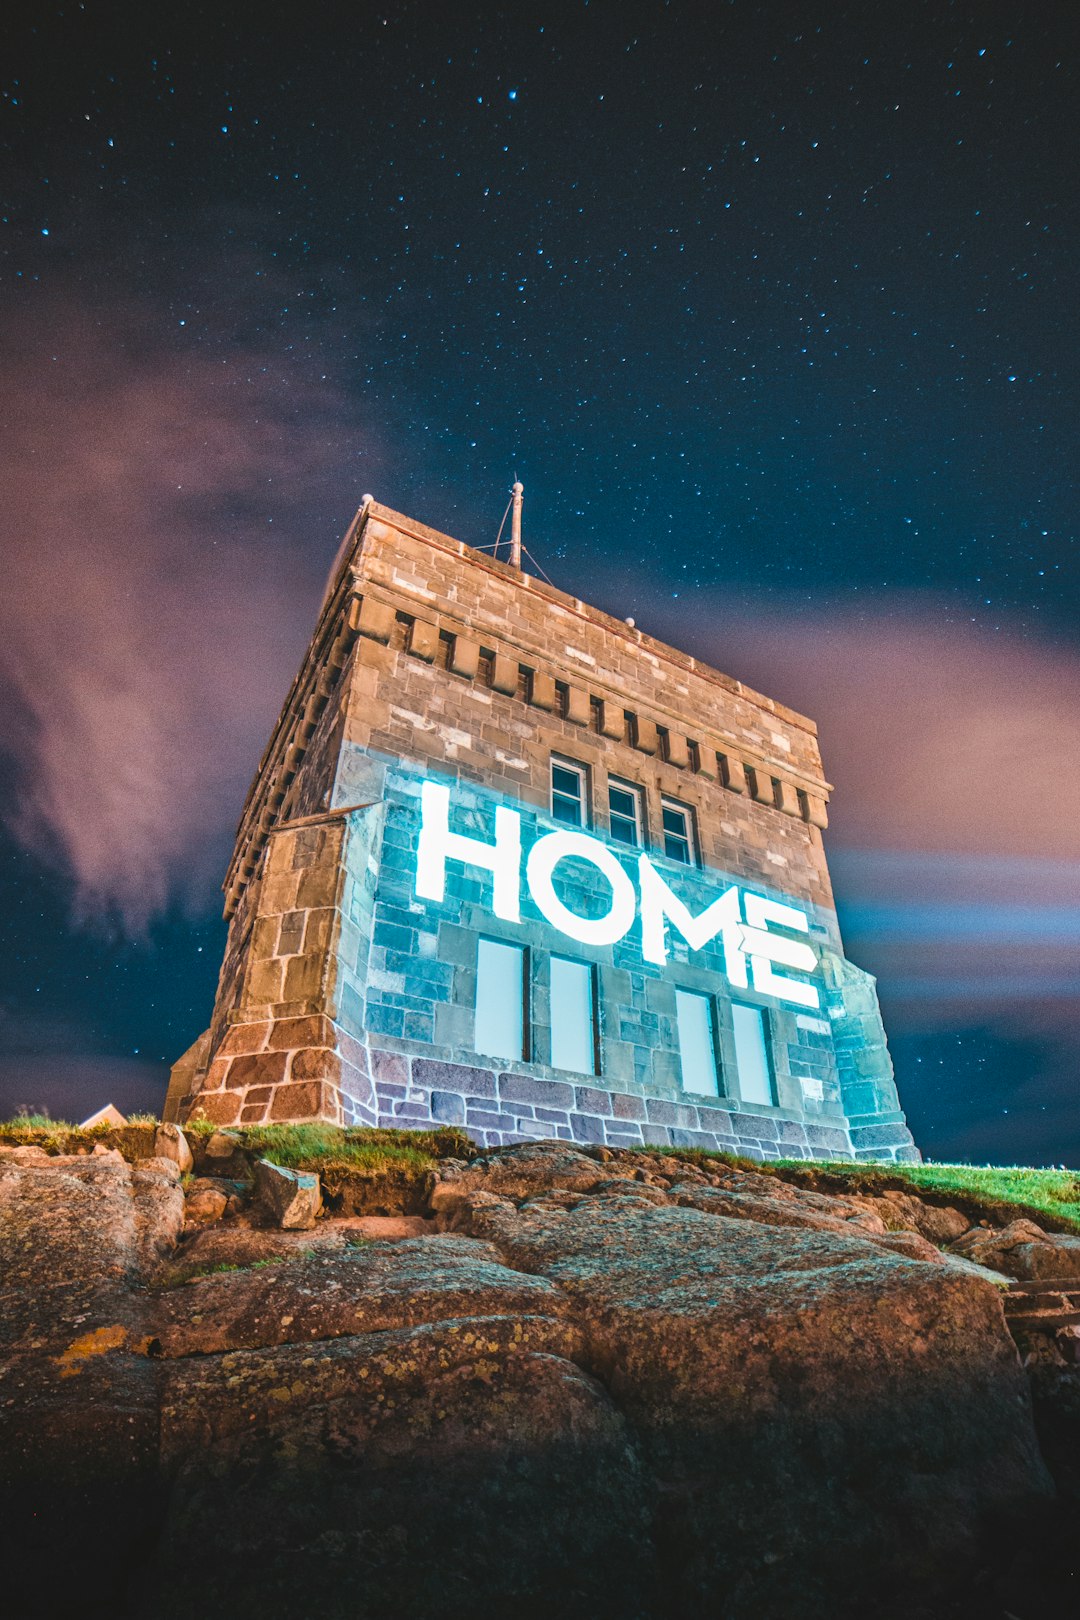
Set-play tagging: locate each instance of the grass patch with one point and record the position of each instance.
(315, 1146)
(312, 1145)
(1050, 1197)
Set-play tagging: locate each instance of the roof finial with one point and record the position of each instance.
(515, 525)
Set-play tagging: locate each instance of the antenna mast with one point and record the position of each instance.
(515, 525)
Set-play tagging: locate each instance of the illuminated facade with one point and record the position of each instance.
(510, 864)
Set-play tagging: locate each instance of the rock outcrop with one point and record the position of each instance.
(594, 1384)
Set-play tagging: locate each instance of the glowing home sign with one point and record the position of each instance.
(740, 921)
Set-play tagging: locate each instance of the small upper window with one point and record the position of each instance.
(568, 792)
(624, 806)
(678, 831)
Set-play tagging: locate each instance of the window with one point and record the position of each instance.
(678, 831)
(573, 1016)
(624, 806)
(697, 1043)
(568, 792)
(500, 1029)
(752, 1055)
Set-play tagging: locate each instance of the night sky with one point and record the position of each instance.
(772, 308)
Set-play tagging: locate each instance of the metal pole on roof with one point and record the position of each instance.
(515, 525)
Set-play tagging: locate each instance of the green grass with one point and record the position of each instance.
(1053, 1193)
(314, 1146)
(1051, 1196)
(309, 1146)
(1007, 1192)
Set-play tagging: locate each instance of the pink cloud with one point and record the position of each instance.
(165, 539)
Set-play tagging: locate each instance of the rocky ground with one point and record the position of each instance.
(543, 1381)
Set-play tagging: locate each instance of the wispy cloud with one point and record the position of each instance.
(171, 502)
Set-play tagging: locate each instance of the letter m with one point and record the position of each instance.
(661, 905)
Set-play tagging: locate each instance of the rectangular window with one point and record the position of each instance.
(568, 792)
(624, 807)
(573, 1016)
(500, 1029)
(678, 831)
(752, 1055)
(697, 1043)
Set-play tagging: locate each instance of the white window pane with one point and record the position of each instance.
(568, 794)
(500, 1008)
(572, 1038)
(625, 807)
(677, 841)
(697, 1047)
(752, 1055)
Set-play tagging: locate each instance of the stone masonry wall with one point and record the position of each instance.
(342, 998)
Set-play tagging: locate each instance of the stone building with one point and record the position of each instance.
(511, 864)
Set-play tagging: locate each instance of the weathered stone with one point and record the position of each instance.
(291, 1198)
(171, 1143)
(205, 1200)
(1022, 1249)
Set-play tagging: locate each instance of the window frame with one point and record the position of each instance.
(687, 813)
(766, 1029)
(637, 794)
(575, 768)
(524, 955)
(713, 1032)
(594, 1013)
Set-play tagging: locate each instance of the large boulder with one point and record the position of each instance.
(79, 1412)
(1022, 1250)
(620, 1386)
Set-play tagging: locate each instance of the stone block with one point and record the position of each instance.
(612, 720)
(523, 1088)
(257, 1069)
(591, 1100)
(448, 1108)
(303, 1101)
(816, 811)
(733, 773)
(543, 693)
(241, 1038)
(372, 618)
(587, 1128)
(389, 1068)
(626, 1106)
(578, 706)
(318, 886)
(314, 1063)
(504, 675)
(661, 1112)
(219, 1107)
(465, 657)
(290, 933)
(645, 737)
(291, 1198)
(828, 1138)
(304, 978)
(456, 1077)
(762, 787)
(423, 640)
(706, 763)
(677, 750)
(787, 798)
(264, 981)
(288, 1033)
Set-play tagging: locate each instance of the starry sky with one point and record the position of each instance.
(772, 308)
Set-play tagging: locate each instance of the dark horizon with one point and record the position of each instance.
(768, 314)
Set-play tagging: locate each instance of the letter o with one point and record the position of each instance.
(545, 856)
